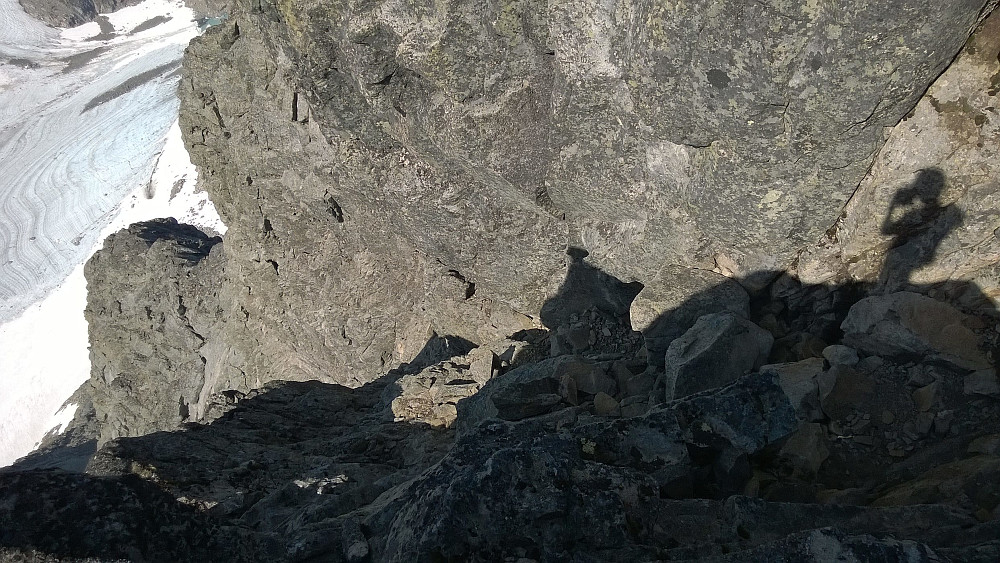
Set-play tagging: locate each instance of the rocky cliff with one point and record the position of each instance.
(71, 13)
(557, 282)
(389, 146)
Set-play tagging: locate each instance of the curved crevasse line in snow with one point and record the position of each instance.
(74, 143)
(70, 176)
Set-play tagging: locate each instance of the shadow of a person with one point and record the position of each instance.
(918, 223)
(590, 312)
(587, 287)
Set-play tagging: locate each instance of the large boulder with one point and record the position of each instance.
(672, 301)
(912, 325)
(717, 350)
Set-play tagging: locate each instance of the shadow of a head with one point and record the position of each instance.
(918, 223)
(587, 287)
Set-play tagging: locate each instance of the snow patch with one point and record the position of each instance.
(127, 19)
(81, 32)
(44, 356)
(60, 421)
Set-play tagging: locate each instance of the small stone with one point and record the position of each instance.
(850, 388)
(590, 378)
(861, 426)
(982, 382)
(605, 405)
(806, 448)
(809, 347)
(637, 385)
(942, 422)
(870, 364)
(353, 541)
(620, 372)
(925, 396)
(634, 406)
(578, 338)
(888, 417)
(924, 423)
(919, 377)
(840, 355)
(865, 440)
(482, 365)
(798, 381)
(989, 445)
(836, 428)
(897, 452)
(567, 389)
(606, 331)
(771, 324)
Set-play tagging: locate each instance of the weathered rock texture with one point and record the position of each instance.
(362, 153)
(924, 214)
(445, 214)
(71, 13)
(152, 302)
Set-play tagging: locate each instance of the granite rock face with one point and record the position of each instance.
(152, 304)
(467, 240)
(391, 145)
(922, 216)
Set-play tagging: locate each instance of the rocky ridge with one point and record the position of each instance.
(343, 141)
(402, 351)
(547, 446)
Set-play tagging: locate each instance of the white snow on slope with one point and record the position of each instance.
(75, 138)
(43, 353)
(69, 178)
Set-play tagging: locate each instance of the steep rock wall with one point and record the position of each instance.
(364, 152)
(152, 307)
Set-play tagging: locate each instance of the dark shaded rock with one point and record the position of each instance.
(826, 543)
(982, 382)
(843, 390)
(567, 470)
(972, 483)
(799, 381)
(911, 326)
(76, 516)
(715, 351)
